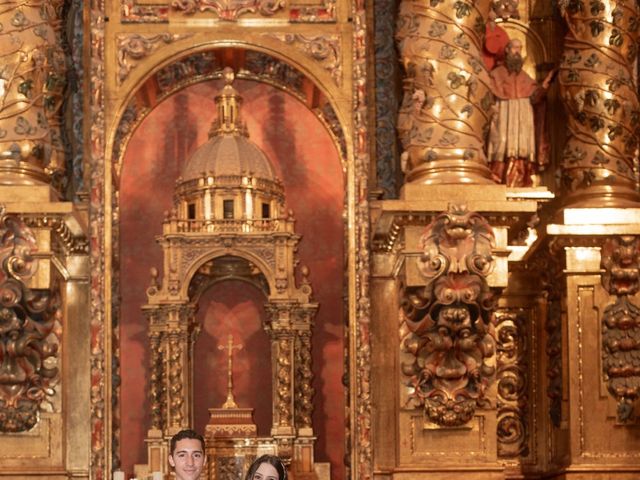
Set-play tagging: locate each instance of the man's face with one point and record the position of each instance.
(187, 459)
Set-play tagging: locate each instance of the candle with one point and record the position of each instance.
(118, 475)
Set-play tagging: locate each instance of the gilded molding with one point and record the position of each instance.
(358, 354)
(30, 331)
(99, 404)
(133, 47)
(324, 49)
(448, 339)
(228, 9)
(599, 90)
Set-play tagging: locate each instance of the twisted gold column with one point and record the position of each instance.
(600, 94)
(447, 97)
(32, 80)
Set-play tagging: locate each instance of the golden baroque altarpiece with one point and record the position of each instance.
(492, 331)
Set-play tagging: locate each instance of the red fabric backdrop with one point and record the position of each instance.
(309, 165)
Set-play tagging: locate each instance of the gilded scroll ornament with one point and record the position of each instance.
(32, 83)
(447, 98)
(512, 381)
(228, 9)
(621, 322)
(325, 49)
(600, 94)
(447, 331)
(30, 324)
(132, 12)
(134, 47)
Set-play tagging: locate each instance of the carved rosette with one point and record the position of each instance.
(228, 9)
(30, 324)
(133, 47)
(513, 385)
(32, 83)
(447, 332)
(600, 94)
(445, 111)
(621, 322)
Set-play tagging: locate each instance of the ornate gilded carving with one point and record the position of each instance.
(600, 94)
(447, 330)
(156, 382)
(97, 254)
(32, 83)
(229, 468)
(131, 12)
(513, 383)
(325, 49)
(621, 322)
(176, 380)
(445, 110)
(323, 13)
(553, 350)
(30, 331)
(304, 378)
(228, 9)
(193, 66)
(283, 382)
(387, 84)
(133, 47)
(358, 413)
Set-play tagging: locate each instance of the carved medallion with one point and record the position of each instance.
(448, 336)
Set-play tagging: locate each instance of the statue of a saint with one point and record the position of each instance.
(516, 149)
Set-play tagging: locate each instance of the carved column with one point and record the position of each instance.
(31, 88)
(282, 364)
(600, 93)
(445, 110)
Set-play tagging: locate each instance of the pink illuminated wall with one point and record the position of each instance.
(309, 165)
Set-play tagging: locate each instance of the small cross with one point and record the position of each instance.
(230, 403)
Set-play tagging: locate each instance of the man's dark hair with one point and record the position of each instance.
(271, 460)
(182, 434)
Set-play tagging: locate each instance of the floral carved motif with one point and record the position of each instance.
(29, 331)
(323, 48)
(448, 337)
(134, 47)
(621, 322)
(304, 379)
(228, 9)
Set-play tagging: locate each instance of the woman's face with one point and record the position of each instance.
(266, 471)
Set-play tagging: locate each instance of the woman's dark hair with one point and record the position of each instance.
(271, 460)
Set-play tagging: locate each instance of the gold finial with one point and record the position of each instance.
(230, 403)
(228, 102)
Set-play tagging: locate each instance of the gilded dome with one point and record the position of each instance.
(228, 152)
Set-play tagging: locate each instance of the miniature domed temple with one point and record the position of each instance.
(229, 223)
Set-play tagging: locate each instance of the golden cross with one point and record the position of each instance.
(230, 403)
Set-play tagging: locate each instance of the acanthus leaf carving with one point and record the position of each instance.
(447, 331)
(228, 9)
(133, 47)
(325, 49)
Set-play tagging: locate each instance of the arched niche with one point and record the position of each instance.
(310, 159)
